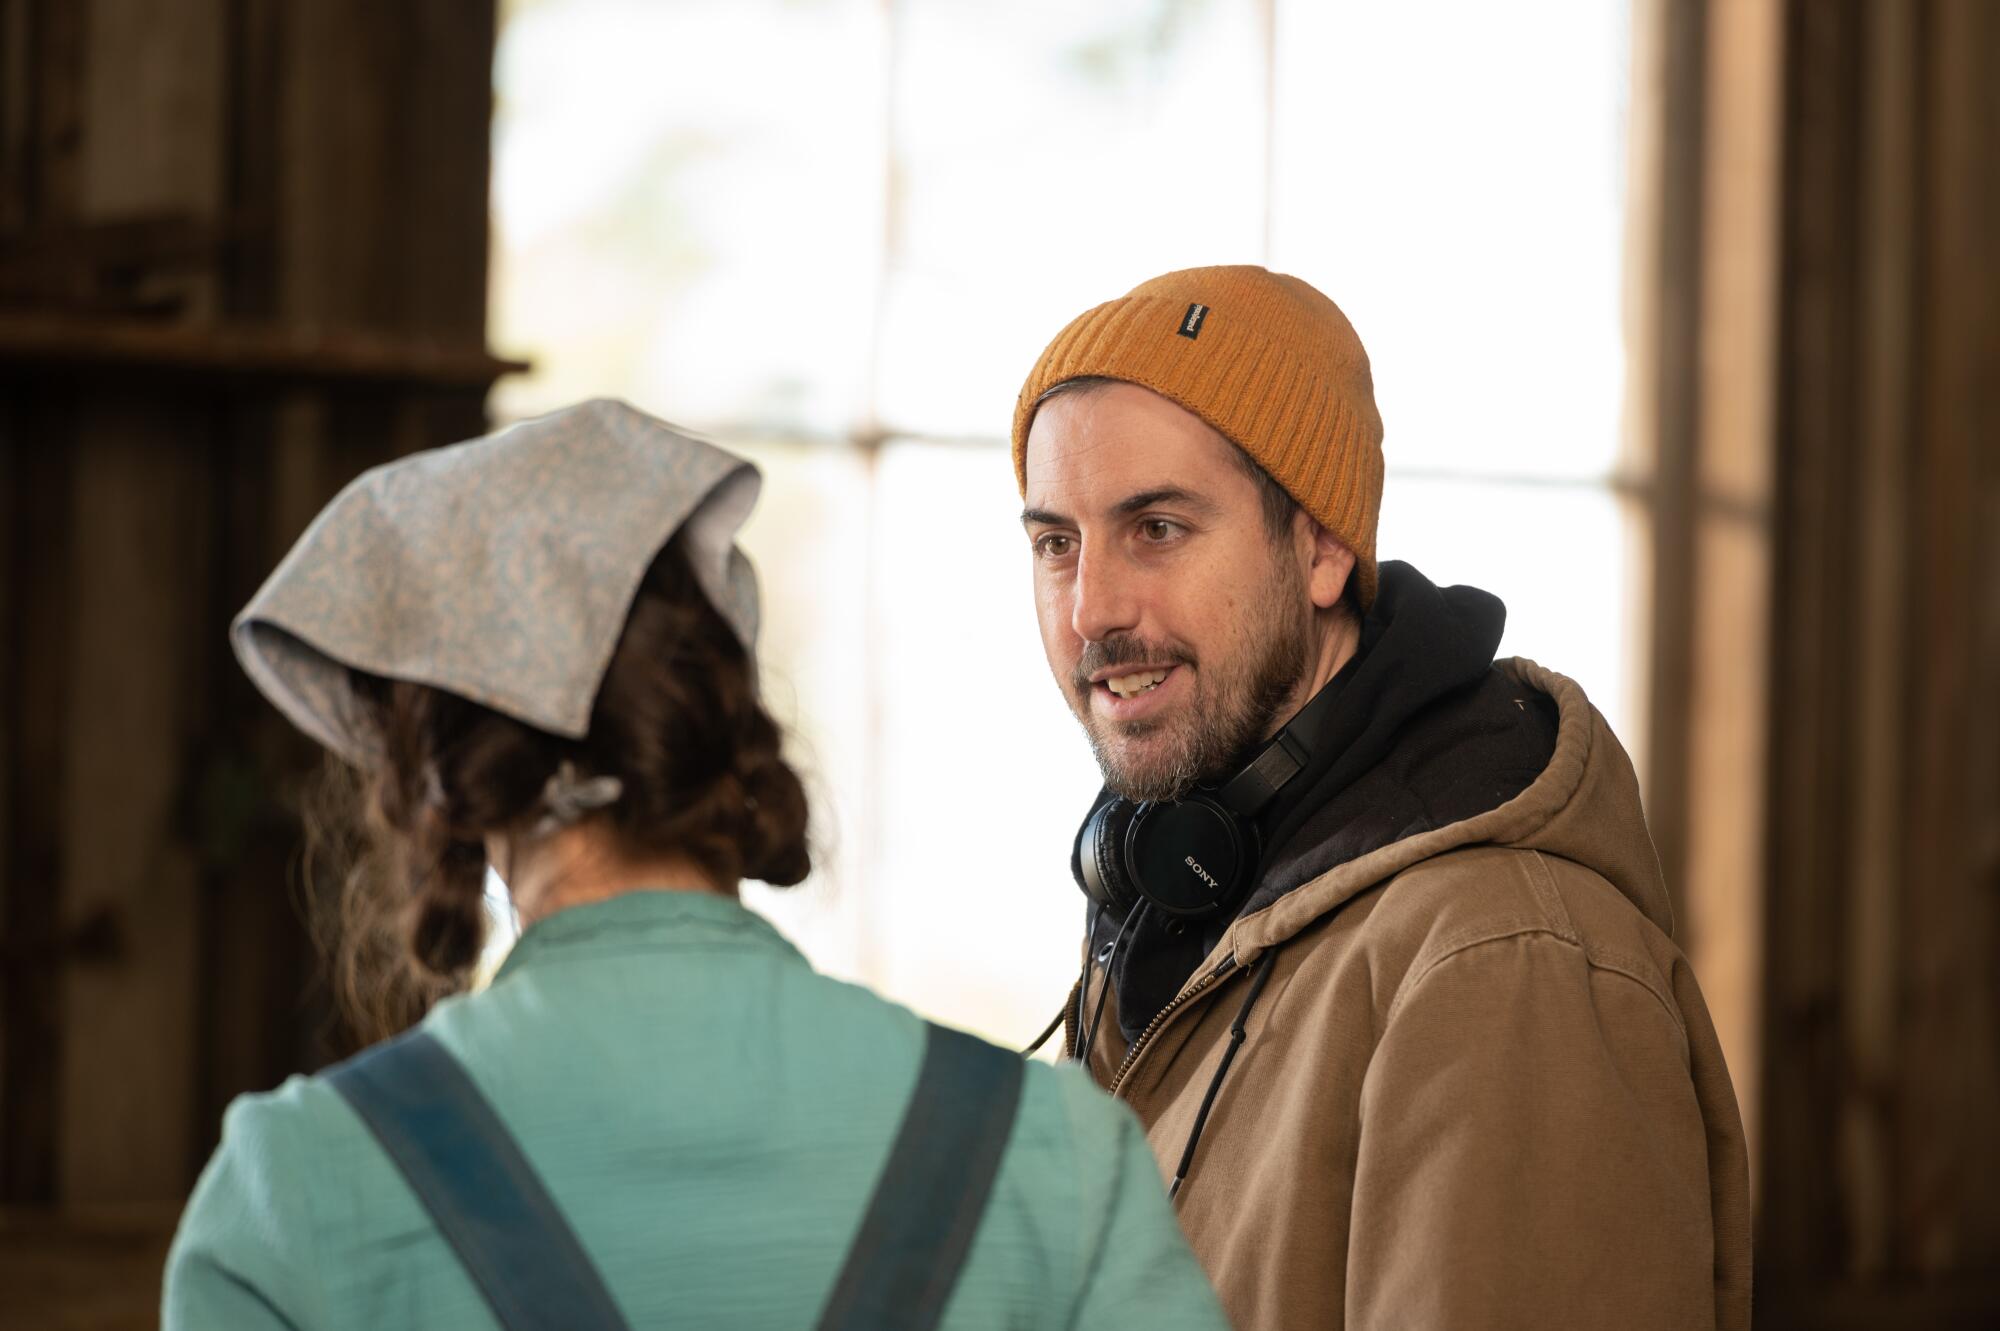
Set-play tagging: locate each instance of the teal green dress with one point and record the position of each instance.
(710, 1115)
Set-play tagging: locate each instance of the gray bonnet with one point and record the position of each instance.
(501, 570)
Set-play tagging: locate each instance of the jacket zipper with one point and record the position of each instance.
(1161, 1017)
(1069, 1023)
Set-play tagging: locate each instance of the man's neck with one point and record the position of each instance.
(1336, 637)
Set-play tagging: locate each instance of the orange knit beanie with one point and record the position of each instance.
(1262, 357)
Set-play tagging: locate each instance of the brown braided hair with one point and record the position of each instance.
(400, 846)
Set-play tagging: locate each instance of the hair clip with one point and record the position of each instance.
(568, 796)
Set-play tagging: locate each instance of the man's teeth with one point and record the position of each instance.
(1126, 686)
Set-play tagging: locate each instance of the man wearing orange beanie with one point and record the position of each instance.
(1377, 944)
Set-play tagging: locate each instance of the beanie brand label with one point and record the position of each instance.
(1191, 321)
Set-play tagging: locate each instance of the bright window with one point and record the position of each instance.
(834, 234)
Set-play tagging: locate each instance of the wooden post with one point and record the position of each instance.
(242, 257)
(1882, 1045)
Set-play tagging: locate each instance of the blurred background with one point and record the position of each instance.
(1682, 314)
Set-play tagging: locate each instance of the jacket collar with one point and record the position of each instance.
(644, 918)
(1588, 781)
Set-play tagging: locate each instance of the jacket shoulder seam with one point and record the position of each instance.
(1498, 931)
(1596, 958)
(1635, 968)
(1618, 963)
(1551, 918)
(1543, 884)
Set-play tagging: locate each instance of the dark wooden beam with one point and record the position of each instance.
(1940, 1147)
(36, 509)
(271, 351)
(1882, 1068)
(1803, 1217)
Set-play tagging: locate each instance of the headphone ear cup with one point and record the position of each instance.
(1191, 857)
(1099, 861)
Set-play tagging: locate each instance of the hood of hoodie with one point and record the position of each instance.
(1421, 732)
(1430, 746)
(1583, 807)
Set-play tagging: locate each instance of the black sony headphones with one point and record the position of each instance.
(1199, 855)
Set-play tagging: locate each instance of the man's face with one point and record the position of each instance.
(1177, 627)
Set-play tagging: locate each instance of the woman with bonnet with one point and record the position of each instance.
(535, 653)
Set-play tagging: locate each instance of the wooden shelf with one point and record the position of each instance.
(243, 350)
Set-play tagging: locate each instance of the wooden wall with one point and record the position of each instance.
(1883, 1017)
(242, 257)
(1821, 397)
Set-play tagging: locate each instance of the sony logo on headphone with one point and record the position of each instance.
(1202, 874)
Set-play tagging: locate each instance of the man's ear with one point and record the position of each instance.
(1332, 564)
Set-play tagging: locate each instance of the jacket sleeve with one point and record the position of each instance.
(1531, 1150)
(241, 1257)
(1138, 1270)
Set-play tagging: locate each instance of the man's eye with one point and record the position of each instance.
(1156, 529)
(1052, 546)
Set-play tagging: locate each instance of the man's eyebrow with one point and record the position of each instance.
(1171, 496)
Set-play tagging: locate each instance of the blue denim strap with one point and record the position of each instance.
(906, 1257)
(484, 1196)
(489, 1205)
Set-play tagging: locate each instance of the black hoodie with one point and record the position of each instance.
(1424, 732)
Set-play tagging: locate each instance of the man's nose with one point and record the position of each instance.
(1107, 600)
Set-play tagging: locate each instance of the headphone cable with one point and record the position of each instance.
(1110, 960)
(1081, 989)
(1055, 1024)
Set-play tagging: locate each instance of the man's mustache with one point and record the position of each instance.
(1124, 649)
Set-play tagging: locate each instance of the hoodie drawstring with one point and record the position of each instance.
(1263, 968)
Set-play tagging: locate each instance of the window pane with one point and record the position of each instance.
(1556, 555)
(688, 204)
(1451, 173)
(1054, 156)
(946, 776)
(981, 772)
(809, 540)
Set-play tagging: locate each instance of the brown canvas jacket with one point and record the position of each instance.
(1479, 1087)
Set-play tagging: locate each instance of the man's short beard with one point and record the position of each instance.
(1214, 732)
